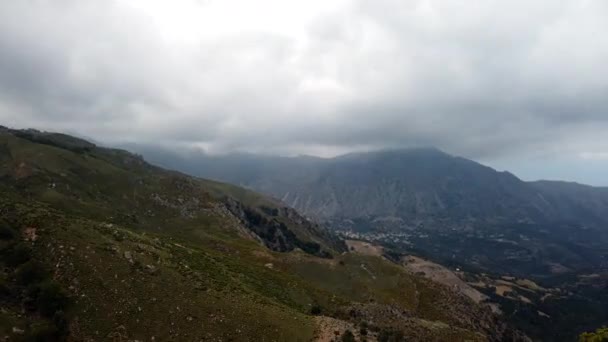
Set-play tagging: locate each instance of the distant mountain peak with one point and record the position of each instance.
(398, 151)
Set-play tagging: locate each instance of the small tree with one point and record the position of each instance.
(390, 336)
(316, 310)
(16, 255)
(42, 332)
(6, 232)
(51, 299)
(30, 273)
(348, 336)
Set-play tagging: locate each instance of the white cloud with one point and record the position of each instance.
(594, 155)
(486, 79)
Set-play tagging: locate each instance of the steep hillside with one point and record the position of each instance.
(444, 207)
(96, 244)
(465, 216)
(413, 185)
(575, 202)
(114, 185)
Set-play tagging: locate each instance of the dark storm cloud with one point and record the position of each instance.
(480, 79)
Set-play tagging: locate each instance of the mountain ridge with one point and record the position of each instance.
(97, 244)
(267, 174)
(426, 192)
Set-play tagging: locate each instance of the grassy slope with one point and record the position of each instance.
(144, 252)
(116, 186)
(166, 282)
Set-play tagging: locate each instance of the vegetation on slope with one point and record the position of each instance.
(97, 244)
(600, 335)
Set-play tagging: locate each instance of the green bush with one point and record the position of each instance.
(6, 232)
(348, 336)
(61, 322)
(390, 336)
(51, 299)
(600, 335)
(5, 291)
(316, 310)
(373, 328)
(30, 273)
(43, 332)
(16, 255)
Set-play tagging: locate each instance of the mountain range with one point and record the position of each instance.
(98, 244)
(409, 183)
(426, 191)
(495, 230)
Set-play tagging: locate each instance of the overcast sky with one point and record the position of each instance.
(521, 85)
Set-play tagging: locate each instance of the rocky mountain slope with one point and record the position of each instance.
(414, 184)
(487, 226)
(413, 194)
(97, 244)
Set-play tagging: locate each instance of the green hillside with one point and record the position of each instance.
(96, 244)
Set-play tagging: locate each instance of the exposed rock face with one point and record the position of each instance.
(428, 185)
(275, 234)
(444, 205)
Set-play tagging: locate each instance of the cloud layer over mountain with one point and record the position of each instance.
(482, 79)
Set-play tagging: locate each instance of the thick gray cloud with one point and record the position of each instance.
(485, 79)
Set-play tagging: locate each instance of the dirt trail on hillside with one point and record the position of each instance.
(331, 329)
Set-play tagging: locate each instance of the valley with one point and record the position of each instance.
(97, 244)
(493, 230)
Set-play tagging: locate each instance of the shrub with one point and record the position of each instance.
(51, 299)
(16, 255)
(6, 232)
(316, 310)
(600, 335)
(325, 255)
(374, 328)
(61, 322)
(30, 273)
(348, 336)
(390, 336)
(43, 332)
(5, 291)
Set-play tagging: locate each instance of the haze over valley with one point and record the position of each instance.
(348, 170)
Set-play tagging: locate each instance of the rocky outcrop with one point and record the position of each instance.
(272, 229)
